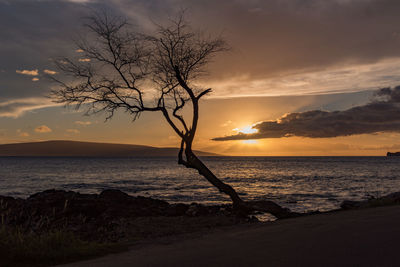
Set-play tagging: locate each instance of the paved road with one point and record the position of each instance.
(352, 238)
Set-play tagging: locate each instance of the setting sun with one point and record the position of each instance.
(246, 129)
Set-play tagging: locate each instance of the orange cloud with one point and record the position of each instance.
(22, 134)
(28, 72)
(84, 123)
(74, 131)
(43, 129)
(50, 72)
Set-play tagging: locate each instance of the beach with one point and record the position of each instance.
(364, 237)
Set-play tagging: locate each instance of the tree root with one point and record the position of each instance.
(250, 207)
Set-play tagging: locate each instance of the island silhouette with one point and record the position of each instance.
(393, 154)
(64, 148)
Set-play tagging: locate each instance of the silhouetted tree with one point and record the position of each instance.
(121, 68)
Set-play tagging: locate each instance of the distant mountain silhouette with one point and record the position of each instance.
(395, 154)
(59, 148)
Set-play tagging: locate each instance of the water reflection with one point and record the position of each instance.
(299, 183)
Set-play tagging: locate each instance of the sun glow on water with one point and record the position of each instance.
(249, 142)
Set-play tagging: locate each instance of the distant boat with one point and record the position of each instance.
(395, 154)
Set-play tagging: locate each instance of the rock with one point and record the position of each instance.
(105, 216)
(114, 195)
(177, 209)
(349, 204)
(196, 209)
(395, 197)
(390, 199)
(272, 208)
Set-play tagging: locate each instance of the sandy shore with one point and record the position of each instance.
(368, 237)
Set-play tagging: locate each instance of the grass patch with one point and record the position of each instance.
(30, 249)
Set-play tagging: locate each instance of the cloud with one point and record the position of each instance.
(275, 37)
(297, 35)
(84, 123)
(279, 46)
(28, 72)
(24, 134)
(35, 79)
(50, 72)
(31, 38)
(381, 115)
(84, 60)
(336, 79)
(17, 107)
(229, 122)
(43, 129)
(74, 131)
(80, 1)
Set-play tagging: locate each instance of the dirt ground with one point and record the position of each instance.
(365, 237)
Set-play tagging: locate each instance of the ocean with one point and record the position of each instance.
(298, 183)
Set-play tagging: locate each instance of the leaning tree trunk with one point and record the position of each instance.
(197, 164)
(240, 206)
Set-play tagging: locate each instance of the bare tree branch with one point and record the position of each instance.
(121, 65)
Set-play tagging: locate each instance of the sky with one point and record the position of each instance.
(302, 77)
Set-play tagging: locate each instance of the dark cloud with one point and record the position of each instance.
(269, 38)
(381, 115)
(32, 33)
(280, 36)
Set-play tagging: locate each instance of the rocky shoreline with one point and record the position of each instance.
(114, 216)
(111, 216)
(387, 200)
